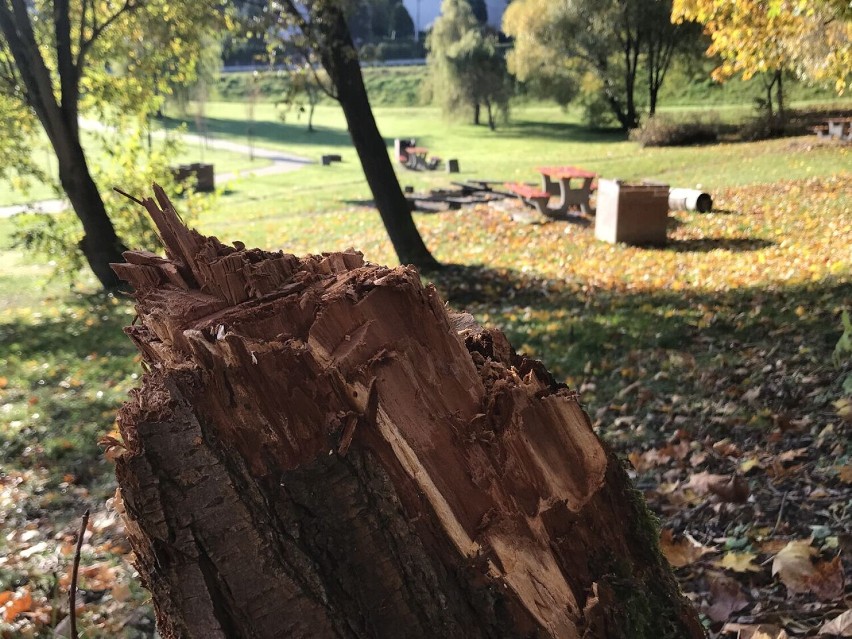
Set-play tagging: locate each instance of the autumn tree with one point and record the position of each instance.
(467, 68)
(57, 56)
(318, 30)
(557, 42)
(811, 38)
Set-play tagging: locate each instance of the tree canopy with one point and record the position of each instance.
(812, 37)
(59, 58)
(556, 43)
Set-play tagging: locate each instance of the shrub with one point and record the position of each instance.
(661, 130)
(127, 163)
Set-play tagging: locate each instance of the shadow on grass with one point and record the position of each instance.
(94, 329)
(66, 377)
(575, 328)
(264, 131)
(707, 244)
(570, 132)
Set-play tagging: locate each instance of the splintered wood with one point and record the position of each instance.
(321, 449)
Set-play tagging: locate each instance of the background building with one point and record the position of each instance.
(424, 12)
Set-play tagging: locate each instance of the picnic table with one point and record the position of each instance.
(573, 185)
(840, 128)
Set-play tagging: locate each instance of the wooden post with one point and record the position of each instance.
(321, 449)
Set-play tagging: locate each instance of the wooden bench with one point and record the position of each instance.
(530, 195)
(821, 130)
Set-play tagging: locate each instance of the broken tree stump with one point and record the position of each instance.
(321, 449)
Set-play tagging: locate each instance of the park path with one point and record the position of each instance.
(280, 163)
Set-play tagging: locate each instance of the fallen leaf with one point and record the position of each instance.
(726, 448)
(738, 562)
(793, 565)
(22, 601)
(827, 581)
(732, 489)
(840, 626)
(726, 595)
(700, 482)
(772, 546)
(844, 409)
(790, 455)
(748, 464)
(121, 592)
(682, 552)
(755, 631)
(3, 382)
(844, 473)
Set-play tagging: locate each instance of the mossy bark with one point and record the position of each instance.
(322, 449)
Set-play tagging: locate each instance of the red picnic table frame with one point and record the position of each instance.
(556, 180)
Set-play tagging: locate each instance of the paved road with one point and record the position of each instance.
(280, 163)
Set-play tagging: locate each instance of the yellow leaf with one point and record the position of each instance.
(747, 464)
(844, 408)
(738, 562)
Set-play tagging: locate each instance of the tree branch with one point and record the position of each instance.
(38, 88)
(98, 29)
(84, 9)
(69, 78)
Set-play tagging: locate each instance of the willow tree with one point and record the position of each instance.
(59, 56)
(467, 68)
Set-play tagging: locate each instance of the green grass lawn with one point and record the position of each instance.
(725, 333)
(224, 161)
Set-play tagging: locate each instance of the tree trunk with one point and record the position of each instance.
(770, 110)
(100, 244)
(340, 60)
(320, 449)
(477, 109)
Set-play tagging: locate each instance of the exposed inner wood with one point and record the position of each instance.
(322, 449)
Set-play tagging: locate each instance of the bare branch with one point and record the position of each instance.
(81, 36)
(69, 73)
(72, 594)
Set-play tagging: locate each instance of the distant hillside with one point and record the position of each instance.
(408, 86)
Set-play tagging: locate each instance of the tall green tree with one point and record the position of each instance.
(401, 22)
(468, 69)
(55, 53)
(319, 31)
(617, 40)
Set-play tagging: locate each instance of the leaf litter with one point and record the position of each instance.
(709, 364)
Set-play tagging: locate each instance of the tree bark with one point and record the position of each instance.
(100, 244)
(321, 449)
(340, 60)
